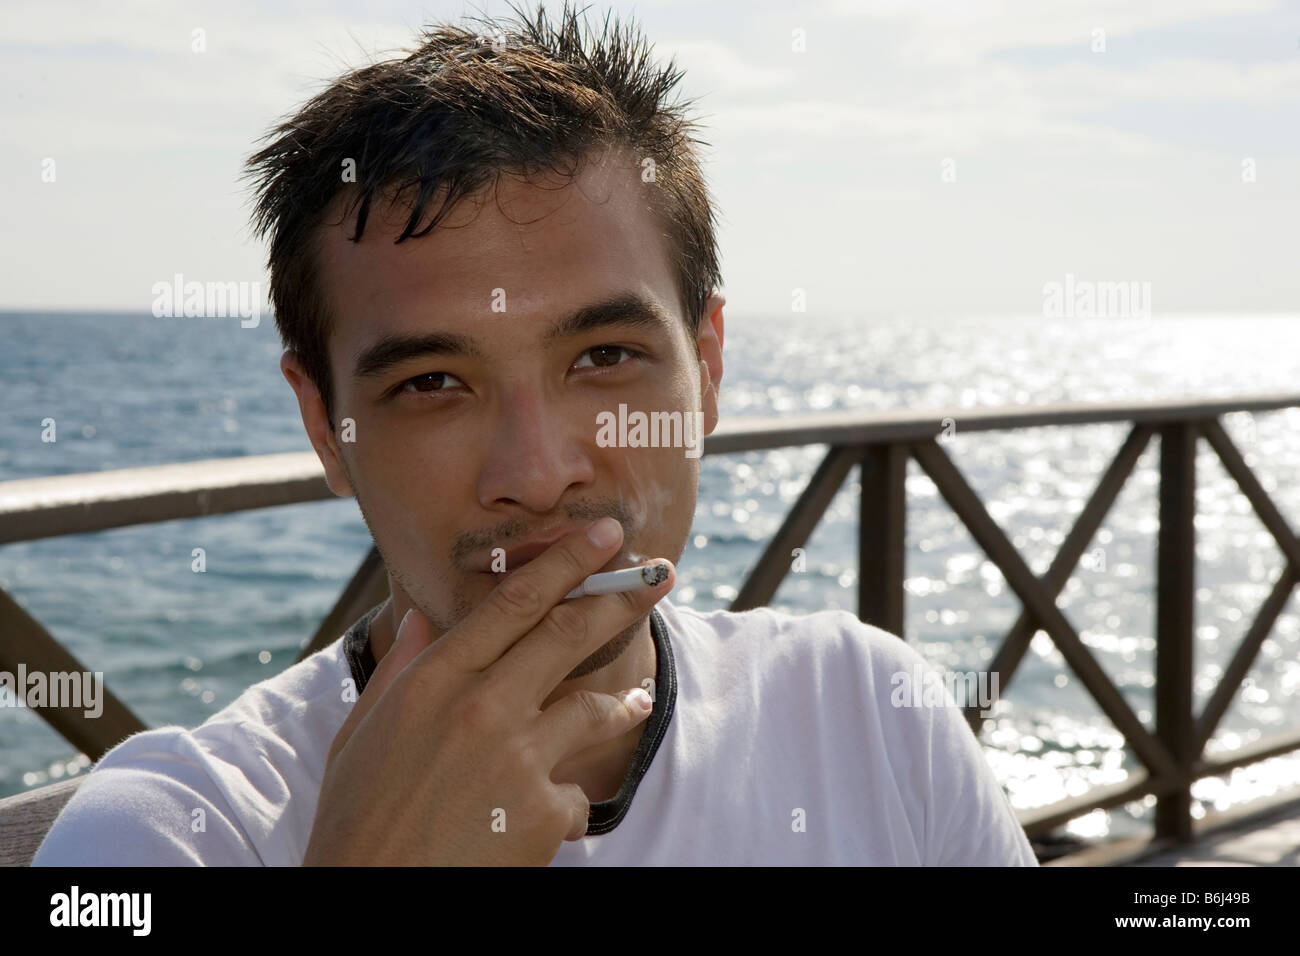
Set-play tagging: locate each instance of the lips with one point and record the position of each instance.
(521, 554)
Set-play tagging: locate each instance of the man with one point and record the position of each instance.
(555, 264)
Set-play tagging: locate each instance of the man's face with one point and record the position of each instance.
(475, 382)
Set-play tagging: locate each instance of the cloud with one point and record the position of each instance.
(716, 68)
(967, 30)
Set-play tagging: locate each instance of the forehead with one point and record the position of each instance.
(546, 244)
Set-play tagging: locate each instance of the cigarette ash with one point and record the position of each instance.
(654, 574)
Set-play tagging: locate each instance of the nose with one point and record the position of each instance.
(536, 453)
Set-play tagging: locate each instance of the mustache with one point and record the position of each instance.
(468, 543)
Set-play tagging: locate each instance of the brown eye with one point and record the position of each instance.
(604, 356)
(429, 382)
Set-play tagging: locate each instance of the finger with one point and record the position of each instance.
(586, 718)
(519, 602)
(570, 633)
(414, 635)
(580, 808)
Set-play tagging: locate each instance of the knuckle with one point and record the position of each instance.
(522, 756)
(520, 595)
(636, 601)
(477, 711)
(592, 706)
(574, 565)
(567, 624)
(569, 805)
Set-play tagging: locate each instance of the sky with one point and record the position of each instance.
(879, 155)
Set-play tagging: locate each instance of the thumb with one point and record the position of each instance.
(414, 635)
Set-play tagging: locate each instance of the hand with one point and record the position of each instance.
(448, 737)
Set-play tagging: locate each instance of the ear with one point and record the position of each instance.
(709, 341)
(317, 423)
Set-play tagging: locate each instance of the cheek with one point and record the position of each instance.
(407, 492)
(408, 455)
(657, 487)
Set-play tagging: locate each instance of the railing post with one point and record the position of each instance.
(368, 587)
(1175, 609)
(27, 645)
(882, 514)
(762, 583)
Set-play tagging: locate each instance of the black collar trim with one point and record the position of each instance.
(606, 814)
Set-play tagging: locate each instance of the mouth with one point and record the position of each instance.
(521, 554)
(514, 562)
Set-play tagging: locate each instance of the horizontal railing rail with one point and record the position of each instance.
(880, 446)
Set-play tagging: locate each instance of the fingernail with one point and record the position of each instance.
(637, 697)
(604, 533)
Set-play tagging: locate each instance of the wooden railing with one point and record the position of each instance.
(1172, 756)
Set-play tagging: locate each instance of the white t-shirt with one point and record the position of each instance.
(773, 741)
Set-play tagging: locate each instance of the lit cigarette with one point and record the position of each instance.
(615, 582)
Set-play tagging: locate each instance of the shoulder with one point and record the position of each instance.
(283, 716)
(878, 700)
(822, 638)
(820, 663)
(213, 793)
(316, 690)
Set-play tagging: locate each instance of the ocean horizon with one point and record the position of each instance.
(132, 390)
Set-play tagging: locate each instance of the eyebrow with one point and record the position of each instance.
(394, 349)
(626, 309)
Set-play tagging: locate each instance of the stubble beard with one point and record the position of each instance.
(603, 656)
